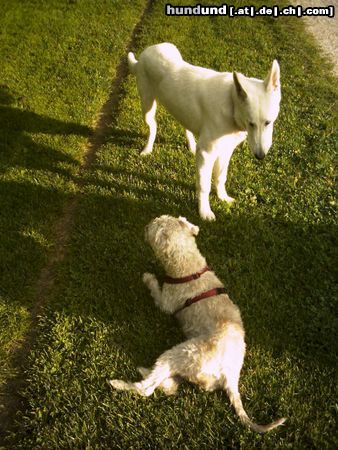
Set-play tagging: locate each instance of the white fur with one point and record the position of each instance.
(213, 354)
(221, 108)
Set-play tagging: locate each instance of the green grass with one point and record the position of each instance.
(274, 250)
(58, 59)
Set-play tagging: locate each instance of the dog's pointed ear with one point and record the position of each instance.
(194, 230)
(239, 88)
(272, 81)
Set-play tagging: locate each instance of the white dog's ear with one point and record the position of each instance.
(239, 88)
(272, 81)
(194, 230)
(161, 238)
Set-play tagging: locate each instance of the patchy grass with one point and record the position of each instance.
(274, 250)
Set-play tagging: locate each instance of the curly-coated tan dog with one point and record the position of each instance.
(213, 354)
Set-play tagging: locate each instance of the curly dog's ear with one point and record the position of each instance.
(161, 238)
(193, 229)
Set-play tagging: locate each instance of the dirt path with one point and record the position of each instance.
(324, 29)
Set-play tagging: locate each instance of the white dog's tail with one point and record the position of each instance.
(237, 404)
(132, 62)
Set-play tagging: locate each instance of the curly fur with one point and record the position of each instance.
(213, 354)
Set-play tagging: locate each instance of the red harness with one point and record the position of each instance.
(191, 277)
(206, 294)
(194, 276)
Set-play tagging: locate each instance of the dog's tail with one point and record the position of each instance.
(132, 62)
(244, 418)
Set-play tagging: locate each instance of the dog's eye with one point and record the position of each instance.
(267, 123)
(251, 124)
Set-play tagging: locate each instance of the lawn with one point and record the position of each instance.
(274, 248)
(55, 74)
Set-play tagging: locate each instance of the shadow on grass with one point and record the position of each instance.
(26, 206)
(280, 275)
(123, 138)
(163, 187)
(102, 322)
(25, 211)
(18, 149)
(127, 138)
(277, 272)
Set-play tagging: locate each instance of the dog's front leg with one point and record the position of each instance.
(151, 282)
(221, 172)
(204, 164)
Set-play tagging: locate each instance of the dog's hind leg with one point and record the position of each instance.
(178, 361)
(149, 118)
(191, 141)
(220, 175)
(169, 386)
(148, 104)
(159, 374)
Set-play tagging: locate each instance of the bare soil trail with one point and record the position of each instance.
(324, 29)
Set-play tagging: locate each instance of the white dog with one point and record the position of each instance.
(221, 108)
(213, 354)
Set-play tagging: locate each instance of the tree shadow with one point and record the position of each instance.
(237, 246)
(27, 207)
(117, 179)
(17, 124)
(281, 274)
(123, 138)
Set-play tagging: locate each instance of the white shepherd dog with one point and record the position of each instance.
(220, 108)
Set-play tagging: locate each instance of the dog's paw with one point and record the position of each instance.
(148, 278)
(169, 386)
(120, 385)
(137, 388)
(146, 151)
(192, 147)
(142, 388)
(144, 371)
(207, 215)
(225, 197)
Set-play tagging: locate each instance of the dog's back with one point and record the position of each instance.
(162, 74)
(155, 61)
